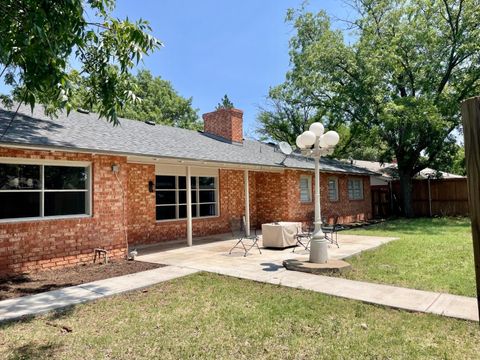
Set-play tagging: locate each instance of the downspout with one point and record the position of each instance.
(390, 186)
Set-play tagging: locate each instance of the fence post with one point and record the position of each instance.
(429, 197)
(471, 133)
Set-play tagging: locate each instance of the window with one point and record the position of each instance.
(355, 189)
(305, 188)
(37, 191)
(171, 196)
(333, 189)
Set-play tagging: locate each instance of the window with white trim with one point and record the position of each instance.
(305, 188)
(171, 196)
(41, 191)
(355, 189)
(333, 189)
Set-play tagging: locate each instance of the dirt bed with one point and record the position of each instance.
(34, 283)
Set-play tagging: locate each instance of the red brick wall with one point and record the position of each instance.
(278, 198)
(226, 123)
(272, 199)
(347, 210)
(37, 244)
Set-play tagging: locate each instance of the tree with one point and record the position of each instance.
(225, 103)
(159, 102)
(457, 164)
(40, 38)
(401, 78)
(285, 118)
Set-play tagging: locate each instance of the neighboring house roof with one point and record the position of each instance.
(389, 171)
(86, 132)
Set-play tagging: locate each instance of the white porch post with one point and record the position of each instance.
(247, 203)
(189, 207)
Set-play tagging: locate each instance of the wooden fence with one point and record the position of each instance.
(436, 197)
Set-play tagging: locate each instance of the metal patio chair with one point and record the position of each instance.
(246, 243)
(303, 237)
(331, 231)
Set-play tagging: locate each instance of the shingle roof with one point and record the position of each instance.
(87, 132)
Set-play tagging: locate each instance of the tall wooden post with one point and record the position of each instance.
(471, 132)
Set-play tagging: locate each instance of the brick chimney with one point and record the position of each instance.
(225, 123)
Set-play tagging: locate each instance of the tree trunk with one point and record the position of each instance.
(406, 192)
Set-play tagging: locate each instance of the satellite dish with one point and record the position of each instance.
(285, 147)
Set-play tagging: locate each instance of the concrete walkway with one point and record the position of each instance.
(52, 300)
(212, 255)
(267, 267)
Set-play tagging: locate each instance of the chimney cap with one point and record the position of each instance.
(232, 110)
(225, 123)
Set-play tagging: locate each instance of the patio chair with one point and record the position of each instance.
(303, 237)
(246, 243)
(331, 231)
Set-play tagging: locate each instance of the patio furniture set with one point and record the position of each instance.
(280, 235)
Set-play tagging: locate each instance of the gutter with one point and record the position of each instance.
(152, 159)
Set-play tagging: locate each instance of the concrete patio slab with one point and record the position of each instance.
(266, 267)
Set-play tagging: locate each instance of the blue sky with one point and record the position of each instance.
(217, 47)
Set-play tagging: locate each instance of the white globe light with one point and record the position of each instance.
(322, 142)
(317, 128)
(299, 142)
(331, 138)
(308, 138)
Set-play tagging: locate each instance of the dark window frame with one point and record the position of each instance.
(197, 191)
(41, 190)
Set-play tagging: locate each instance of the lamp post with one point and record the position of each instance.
(314, 144)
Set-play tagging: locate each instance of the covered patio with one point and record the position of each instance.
(211, 254)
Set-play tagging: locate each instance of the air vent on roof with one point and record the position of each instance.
(150, 122)
(83, 111)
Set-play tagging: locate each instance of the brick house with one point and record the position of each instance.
(71, 184)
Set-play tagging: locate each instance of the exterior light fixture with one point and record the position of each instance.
(150, 186)
(314, 143)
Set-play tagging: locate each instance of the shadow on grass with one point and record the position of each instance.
(52, 315)
(62, 313)
(34, 351)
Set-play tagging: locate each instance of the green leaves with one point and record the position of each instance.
(154, 99)
(396, 87)
(40, 38)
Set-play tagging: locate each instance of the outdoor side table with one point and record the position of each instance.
(280, 235)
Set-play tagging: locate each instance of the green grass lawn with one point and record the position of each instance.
(432, 254)
(214, 317)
